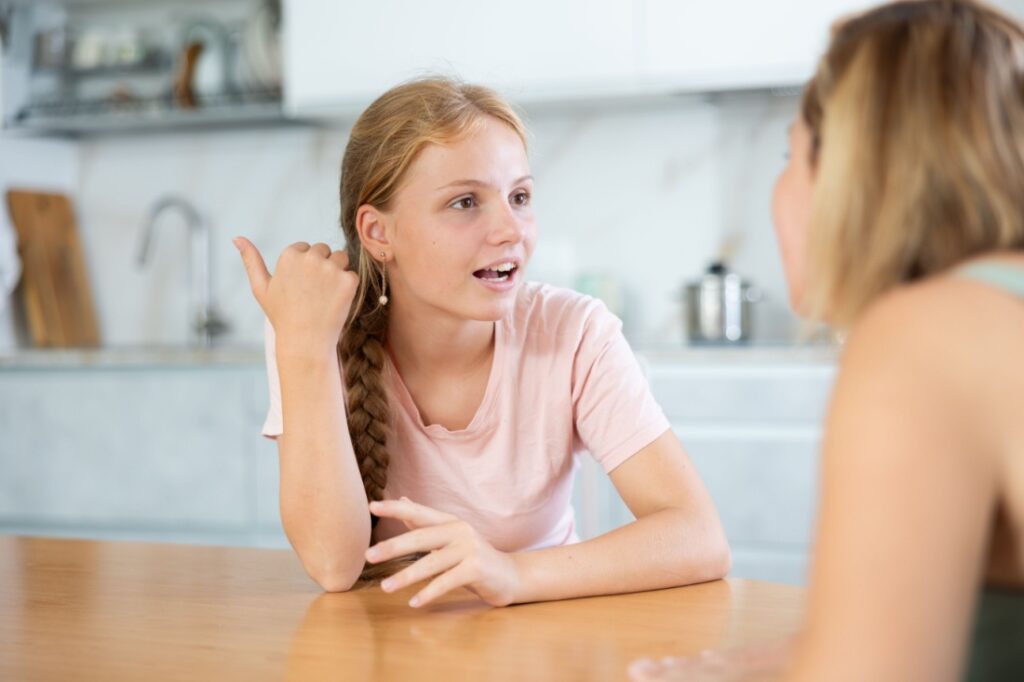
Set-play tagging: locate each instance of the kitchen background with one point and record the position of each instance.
(658, 129)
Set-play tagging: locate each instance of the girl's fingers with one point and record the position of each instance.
(427, 567)
(339, 258)
(321, 249)
(419, 540)
(441, 585)
(414, 515)
(255, 267)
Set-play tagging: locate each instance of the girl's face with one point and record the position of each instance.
(791, 209)
(461, 227)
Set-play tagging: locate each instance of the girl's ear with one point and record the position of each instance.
(372, 233)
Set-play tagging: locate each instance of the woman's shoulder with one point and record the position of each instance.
(947, 334)
(950, 312)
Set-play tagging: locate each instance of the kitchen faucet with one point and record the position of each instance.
(206, 322)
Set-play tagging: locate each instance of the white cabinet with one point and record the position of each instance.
(735, 43)
(339, 56)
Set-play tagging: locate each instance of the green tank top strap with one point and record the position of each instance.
(997, 647)
(1006, 277)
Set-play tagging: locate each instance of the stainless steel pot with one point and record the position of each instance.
(718, 307)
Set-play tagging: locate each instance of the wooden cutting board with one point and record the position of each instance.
(54, 287)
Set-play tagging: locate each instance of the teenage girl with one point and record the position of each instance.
(418, 371)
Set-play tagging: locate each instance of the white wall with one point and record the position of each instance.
(643, 192)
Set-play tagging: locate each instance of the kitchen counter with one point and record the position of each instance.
(129, 357)
(112, 611)
(159, 356)
(752, 355)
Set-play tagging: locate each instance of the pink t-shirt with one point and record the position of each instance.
(563, 381)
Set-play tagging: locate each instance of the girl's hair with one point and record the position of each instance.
(916, 116)
(384, 142)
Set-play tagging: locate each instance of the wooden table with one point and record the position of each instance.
(78, 609)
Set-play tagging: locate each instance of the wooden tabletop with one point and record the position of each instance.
(88, 610)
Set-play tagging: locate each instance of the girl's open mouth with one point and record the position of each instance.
(498, 273)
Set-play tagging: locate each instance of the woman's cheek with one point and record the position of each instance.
(789, 217)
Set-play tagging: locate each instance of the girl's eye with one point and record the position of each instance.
(463, 203)
(521, 198)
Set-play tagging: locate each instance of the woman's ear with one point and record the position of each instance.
(370, 224)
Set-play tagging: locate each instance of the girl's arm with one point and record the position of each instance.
(909, 487)
(677, 538)
(323, 503)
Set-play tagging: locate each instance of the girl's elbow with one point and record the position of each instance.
(335, 578)
(719, 560)
(715, 560)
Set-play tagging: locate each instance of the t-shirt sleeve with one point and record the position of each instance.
(273, 425)
(614, 411)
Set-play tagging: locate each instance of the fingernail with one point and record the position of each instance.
(372, 554)
(414, 602)
(237, 245)
(403, 497)
(387, 585)
(374, 505)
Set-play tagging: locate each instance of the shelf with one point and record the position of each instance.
(157, 66)
(106, 116)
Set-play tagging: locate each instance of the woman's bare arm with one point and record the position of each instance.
(909, 488)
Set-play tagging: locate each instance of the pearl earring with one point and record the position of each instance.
(383, 300)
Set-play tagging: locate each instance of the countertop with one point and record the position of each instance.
(177, 356)
(92, 610)
(130, 357)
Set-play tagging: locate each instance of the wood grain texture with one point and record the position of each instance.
(88, 610)
(55, 285)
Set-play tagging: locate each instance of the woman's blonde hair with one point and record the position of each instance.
(916, 116)
(384, 142)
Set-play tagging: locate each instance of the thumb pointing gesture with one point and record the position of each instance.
(255, 268)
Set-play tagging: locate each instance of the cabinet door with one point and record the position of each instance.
(145, 451)
(736, 43)
(339, 56)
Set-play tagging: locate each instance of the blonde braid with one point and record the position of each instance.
(362, 357)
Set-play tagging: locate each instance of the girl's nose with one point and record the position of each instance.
(506, 227)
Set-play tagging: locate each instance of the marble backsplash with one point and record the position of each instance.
(638, 196)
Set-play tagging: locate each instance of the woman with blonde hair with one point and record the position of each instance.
(900, 217)
(419, 372)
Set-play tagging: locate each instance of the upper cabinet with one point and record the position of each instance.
(339, 56)
(111, 65)
(734, 44)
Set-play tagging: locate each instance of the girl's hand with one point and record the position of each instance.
(457, 556)
(308, 299)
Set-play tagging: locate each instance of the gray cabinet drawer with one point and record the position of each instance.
(123, 448)
(751, 394)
